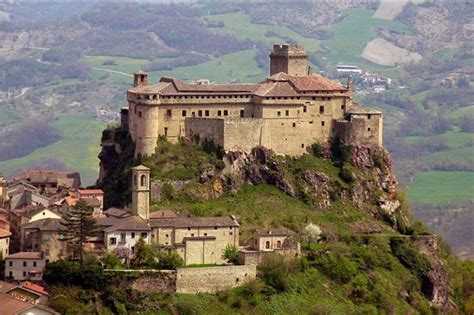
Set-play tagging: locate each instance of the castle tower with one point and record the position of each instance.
(141, 191)
(140, 78)
(290, 59)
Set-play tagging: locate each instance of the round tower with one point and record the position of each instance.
(141, 191)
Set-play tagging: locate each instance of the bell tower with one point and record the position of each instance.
(141, 191)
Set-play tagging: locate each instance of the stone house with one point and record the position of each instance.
(14, 306)
(267, 241)
(25, 291)
(25, 266)
(47, 236)
(123, 233)
(4, 243)
(198, 240)
(288, 112)
(93, 198)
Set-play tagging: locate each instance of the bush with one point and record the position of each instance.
(112, 261)
(167, 191)
(346, 175)
(317, 150)
(231, 253)
(337, 267)
(169, 260)
(72, 273)
(275, 272)
(410, 257)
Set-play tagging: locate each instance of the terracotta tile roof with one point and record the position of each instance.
(5, 286)
(4, 233)
(48, 224)
(116, 212)
(163, 214)
(356, 109)
(12, 306)
(34, 287)
(180, 222)
(90, 191)
(26, 255)
(131, 223)
(271, 232)
(315, 83)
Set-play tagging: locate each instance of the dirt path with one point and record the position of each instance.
(113, 71)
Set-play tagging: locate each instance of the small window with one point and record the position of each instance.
(24, 273)
(205, 234)
(302, 145)
(294, 125)
(311, 122)
(287, 113)
(144, 235)
(140, 114)
(343, 106)
(226, 113)
(322, 123)
(10, 263)
(183, 113)
(166, 131)
(321, 109)
(11, 274)
(219, 113)
(215, 228)
(132, 235)
(113, 241)
(278, 244)
(192, 234)
(24, 264)
(278, 113)
(193, 114)
(189, 229)
(305, 109)
(267, 244)
(242, 113)
(230, 233)
(167, 235)
(368, 129)
(123, 237)
(34, 263)
(200, 113)
(133, 249)
(169, 112)
(206, 113)
(369, 116)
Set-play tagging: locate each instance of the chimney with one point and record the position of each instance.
(140, 78)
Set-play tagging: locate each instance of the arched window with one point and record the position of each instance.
(278, 244)
(143, 180)
(267, 245)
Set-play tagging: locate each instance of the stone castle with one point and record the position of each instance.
(289, 111)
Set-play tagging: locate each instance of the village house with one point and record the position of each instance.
(265, 241)
(47, 236)
(4, 243)
(26, 298)
(93, 198)
(25, 266)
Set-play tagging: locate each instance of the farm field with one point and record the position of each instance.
(77, 149)
(463, 154)
(438, 187)
(454, 139)
(240, 25)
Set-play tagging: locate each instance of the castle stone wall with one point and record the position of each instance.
(213, 279)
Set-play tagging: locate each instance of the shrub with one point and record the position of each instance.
(167, 191)
(337, 267)
(275, 272)
(346, 175)
(143, 254)
(112, 261)
(72, 273)
(317, 150)
(169, 260)
(410, 257)
(231, 253)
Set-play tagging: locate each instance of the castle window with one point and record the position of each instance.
(369, 116)
(215, 228)
(167, 235)
(368, 129)
(329, 98)
(314, 98)
(287, 113)
(192, 234)
(294, 125)
(278, 113)
(302, 145)
(322, 123)
(200, 113)
(193, 114)
(183, 113)
(206, 113)
(279, 98)
(166, 131)
(169, 112)
(140, 114)
(219, 113)
(226, 112)
(189, 229)
(205, 234)
(343, 106)
(241, 113)
(321, 109)
(310, 121)
(304, 109)
(292, 98)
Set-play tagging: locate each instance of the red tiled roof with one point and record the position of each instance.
(34, 287)
(4, 233)
(26, 255)
(163, 214)
(194, 222)
(90, 191)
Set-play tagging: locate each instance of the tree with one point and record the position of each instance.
(79, 224)
(143, 254)
(312, 233)
(231, 253)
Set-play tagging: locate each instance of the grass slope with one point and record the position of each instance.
(240, 25)
(77, 149)
(7, 116)
(438, 187)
